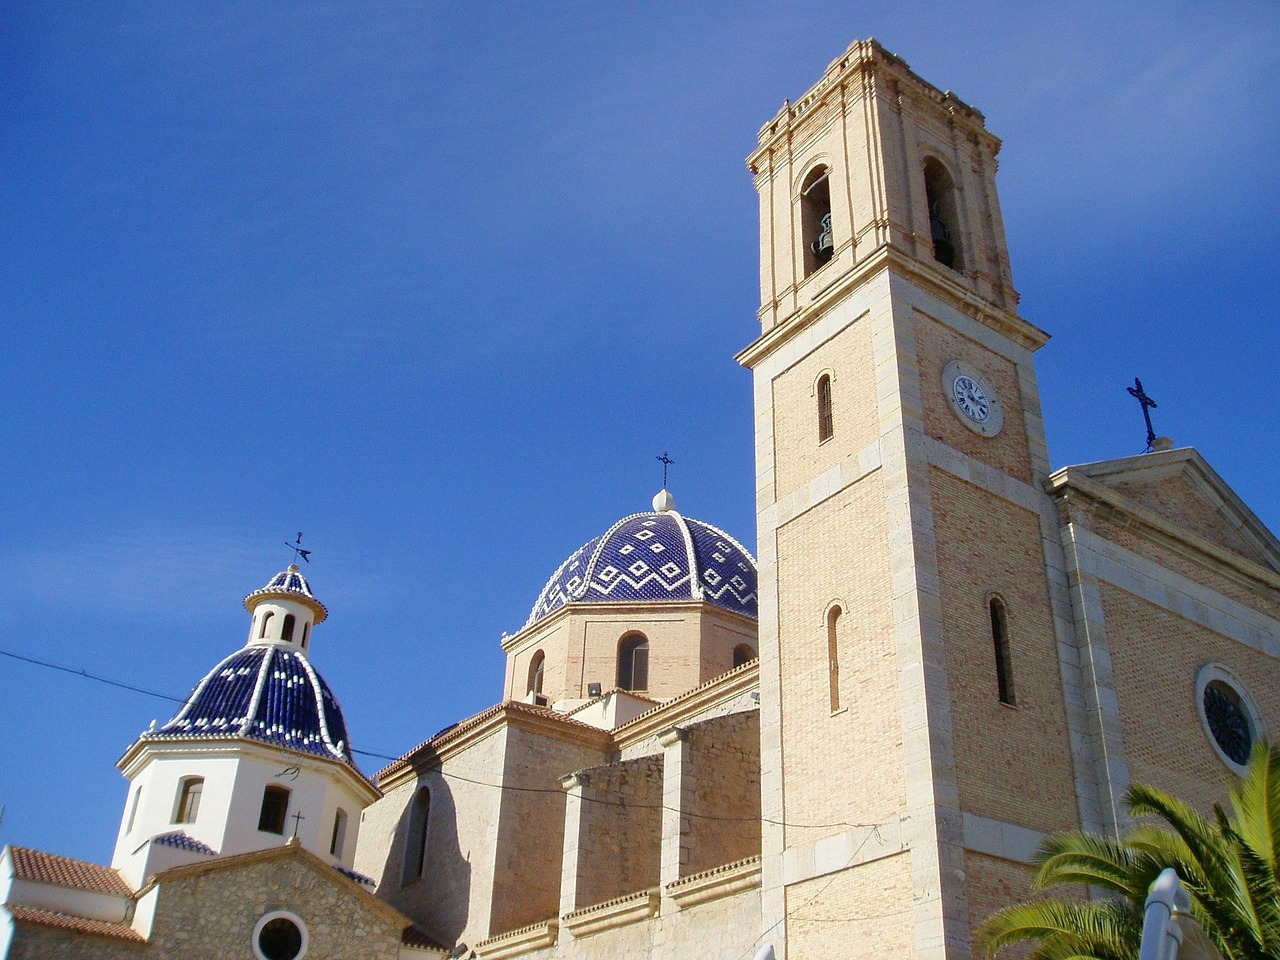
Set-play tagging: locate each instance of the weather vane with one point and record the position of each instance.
(296, 547)
(666, 462)
(1140, 395)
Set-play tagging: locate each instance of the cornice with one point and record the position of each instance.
(689, 704)
(131, 763)
(863, 57)
(713, 884)
(612, 913)
(653, 609)
(516, 942)
(454, 740)
(929, 278)
(1071, 486)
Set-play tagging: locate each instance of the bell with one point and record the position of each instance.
(943, 251)
(823, 247)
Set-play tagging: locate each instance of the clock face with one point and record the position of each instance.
(972, 398)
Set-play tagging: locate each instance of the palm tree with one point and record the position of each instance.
(1230, 865)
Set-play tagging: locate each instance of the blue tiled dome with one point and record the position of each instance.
(266, 693)
(654, 556)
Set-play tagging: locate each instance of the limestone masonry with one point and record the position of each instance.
(848, 745)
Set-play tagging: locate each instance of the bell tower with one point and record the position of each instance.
(915, 735)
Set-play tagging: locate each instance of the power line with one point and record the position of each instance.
(601, 801)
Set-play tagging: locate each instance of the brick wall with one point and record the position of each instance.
(838, 551)
(1155, 657)
(987, 545)
(936, 346)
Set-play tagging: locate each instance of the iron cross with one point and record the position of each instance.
(297, 818)
(666, 462)
(1140, 395)
(296, 547)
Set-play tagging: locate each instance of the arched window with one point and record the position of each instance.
(339, 832)
(1004, 661)
(187, 806)
(535, 672)
(633, 662)
(306, 629)
(275, 805)
(743, 653)
(826, 421)
(265, 620)
(944, 220)
(415, 845)
(833, 655)
(286, 632)
(815, 219)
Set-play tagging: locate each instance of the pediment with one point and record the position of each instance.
(1180, 488)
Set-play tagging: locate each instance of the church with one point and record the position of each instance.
(847, 742)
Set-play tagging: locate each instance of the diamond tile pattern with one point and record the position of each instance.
(294, 706)
(649, 556)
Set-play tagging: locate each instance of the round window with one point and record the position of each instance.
(280, 936)
(1228, 714)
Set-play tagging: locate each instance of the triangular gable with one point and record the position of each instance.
(1181, 488)
(292, 849)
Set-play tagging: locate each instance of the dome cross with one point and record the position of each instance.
(666, 462)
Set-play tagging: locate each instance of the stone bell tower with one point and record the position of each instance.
(915, 737)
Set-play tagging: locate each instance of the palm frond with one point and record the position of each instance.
(1102, 929)
(1255, 801)
(1085, 858)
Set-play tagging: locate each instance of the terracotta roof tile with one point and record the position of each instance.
(47, 918)
(65, 872)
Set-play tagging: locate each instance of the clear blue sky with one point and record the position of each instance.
(435, 283)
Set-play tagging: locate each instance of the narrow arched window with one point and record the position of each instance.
(306, 629)
(815, 219)
(944, 220)
(275, 806)
(743, 653)
(826, 420)
(133, 810)
(265, 620)
(415, 846)
(633, 662)
(833, 656)
(187, 806)
(339, 832)
(286, 631)
(535, 672)
(1004, 660)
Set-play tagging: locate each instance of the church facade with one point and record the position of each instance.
(848, 745)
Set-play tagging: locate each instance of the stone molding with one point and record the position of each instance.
(612, 913)
(458, 738)
(535, 936)
(713, 884)
(1072, 486)
(690, 704)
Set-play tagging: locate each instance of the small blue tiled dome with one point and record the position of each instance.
(288, 584)
(654, 556)
(266, 693)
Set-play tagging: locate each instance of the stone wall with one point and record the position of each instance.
(620, 836)
(527, 870)
(722, 804)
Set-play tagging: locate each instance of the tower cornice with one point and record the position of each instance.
(930, 278)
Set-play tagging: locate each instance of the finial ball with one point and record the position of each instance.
(664, 502)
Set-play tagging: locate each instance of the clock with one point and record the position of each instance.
(972, 398)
